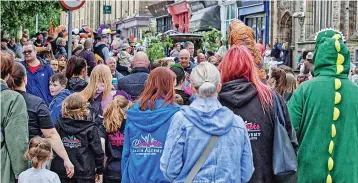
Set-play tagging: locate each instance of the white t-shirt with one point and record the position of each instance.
(38, 176)
(274, 64)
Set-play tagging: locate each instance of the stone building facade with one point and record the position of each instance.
(297, 22)
(123, 11)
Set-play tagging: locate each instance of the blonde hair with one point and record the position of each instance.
(75, 107)
(290, 83)
(205, 78)
(115, 113)
(101, 74)
(38, 151)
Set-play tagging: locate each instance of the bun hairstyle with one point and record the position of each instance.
(115, 113)
(205, 78)
(38, 152)
(17, 76)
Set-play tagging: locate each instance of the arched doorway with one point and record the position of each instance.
(285, 32)
(285, 28)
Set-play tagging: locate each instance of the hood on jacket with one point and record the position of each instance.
(63, 94)
(151, 120)
(238, 92)
(76, 84)
(72, 127)
(332, 57)
(209, 115)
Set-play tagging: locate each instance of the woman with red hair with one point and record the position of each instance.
(146, 128)
(244, 93)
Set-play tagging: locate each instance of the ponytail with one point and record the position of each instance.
(38, 152)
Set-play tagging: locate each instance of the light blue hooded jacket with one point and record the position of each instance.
(189, 133)
(144, 138)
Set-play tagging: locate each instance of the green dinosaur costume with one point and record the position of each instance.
(324, 113)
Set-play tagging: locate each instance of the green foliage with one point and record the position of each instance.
(209, 38)
(157, 46)
(22, 13)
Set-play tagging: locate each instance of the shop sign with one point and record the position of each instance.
(107, 9)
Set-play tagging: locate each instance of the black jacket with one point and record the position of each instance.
(133, 84)
(76, 84)
(39, 114)
(242, 98)
(83, 145)
(114, 149)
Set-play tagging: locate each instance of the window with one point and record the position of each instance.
(322, 15)
(353, 17)
(257, 23)
(231, 14)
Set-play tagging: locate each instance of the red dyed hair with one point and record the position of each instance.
(160, 85)
(239, 63)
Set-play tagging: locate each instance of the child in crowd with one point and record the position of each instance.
(273, 63)
(267, 56)
(39, 153)
(114, 124)
(54, 65)
(62, 64)
(58, 83)
(82, 143)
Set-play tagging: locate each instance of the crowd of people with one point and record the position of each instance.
(109, 114)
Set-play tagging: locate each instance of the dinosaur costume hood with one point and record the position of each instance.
(324, 113)
(331, 57)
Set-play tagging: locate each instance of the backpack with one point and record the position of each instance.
(98, 50)
(96, 112)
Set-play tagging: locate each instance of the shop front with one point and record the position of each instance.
(255, 14)
(134, 27)
(180, 16)
(162, 16)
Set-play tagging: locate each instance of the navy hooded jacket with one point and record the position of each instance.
(56, 105)
(38, 82)
(144, 137)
